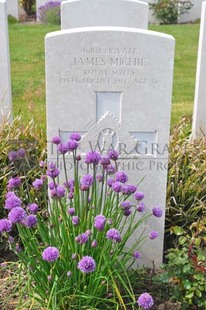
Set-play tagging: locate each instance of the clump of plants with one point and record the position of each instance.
(186, 189)
(168, 11)
(29, 6)
(186, 266)
(49, 13)
(75, 253)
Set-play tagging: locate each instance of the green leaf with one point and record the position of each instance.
(198, 293)
(182, 240)
(177, 230)
(190, 295)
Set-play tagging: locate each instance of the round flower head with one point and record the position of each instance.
(17, 214)
(157, 211)
(93, 157)
(141, 206)
(136, 254)
(51, 185)
(116, 187)
(105, 161)
(86, 264)
(5, 225)
(56, 140)
(126, 205)
(139, 195)
(69, 274)
(94, 244)
(63, 148)
(69, 184)
(99, 222)
(127, 212)
(13, 156)
(75, 220)
(50, 254)
(110, 182)
(73, 145)
(145, 301)
(111, 169)
(21, 153)
(121, 176)
(71, 211)
(33, 208)
(37, 184)
(99, 177)
(75, 136)
(60, 191)
(113, 155)
(30, 221)
(114, 235)
(131, 188)
(12, 201)
(153, 235)
(52, 171)
(14, 182)
(86, 181)
(82, 238)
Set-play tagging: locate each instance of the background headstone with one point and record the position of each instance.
(199, 114)
(113, 85)
(5, 80)
(13, 8)
(87, 13)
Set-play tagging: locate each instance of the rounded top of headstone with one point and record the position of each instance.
(91, 13)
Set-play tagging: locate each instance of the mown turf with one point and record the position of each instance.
(28, 69)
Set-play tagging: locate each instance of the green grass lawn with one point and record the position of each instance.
(28, 70)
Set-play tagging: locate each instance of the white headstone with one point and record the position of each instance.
(113, 85)
(13, 8)
(87, 13)
(5, 81)
(199, 115)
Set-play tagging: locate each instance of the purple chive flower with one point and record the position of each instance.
(71, 195)
(126, 205)
(131, 188)
(52, 171)
(5, 225)
(145, 301)
(93, 157)
(99, 177)
(114, 235)
(51, 185)
(75, 220)
(69, 274)
(12, 201)
(157, 211)
(21, 153)
(63, 148)
(117, 187)
(121, 176)
(94, 244)
(14, 182)
(69, 184)
(30, 220)
(111, 169)
(75, 136)
(37, 184)
(139, 195)
(73, 145)
(78, 157)
(86, 264)
(42, 164)
(110, 182)
(17, 214)
(105, 161)
(56, 140)
(136, 254)
(99, 222)
(141, 207)
(12, 155)
(86, 181)
(71, 211)
(49, 278)
(127, 212)
(60, 191)
(50, 254)
(113, 155)
(82, 238)
(153, 235)
(33, 208)
(11, 239)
